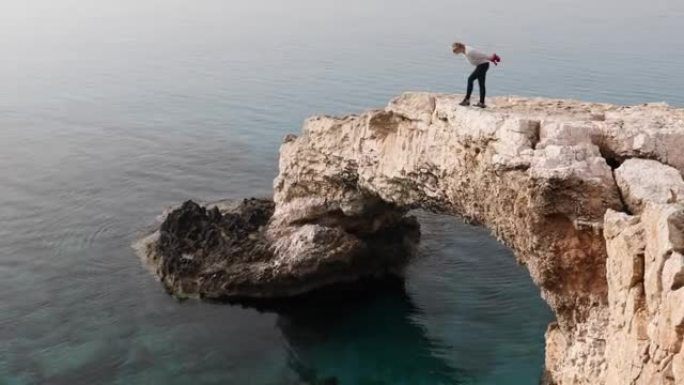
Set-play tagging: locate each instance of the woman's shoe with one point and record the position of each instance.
(465, 102)
(481, 105)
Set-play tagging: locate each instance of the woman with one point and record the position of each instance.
(481, 63)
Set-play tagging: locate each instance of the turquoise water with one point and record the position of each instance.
(111, 111)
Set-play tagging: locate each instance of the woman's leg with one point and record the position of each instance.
(471, 82)
(481, 81)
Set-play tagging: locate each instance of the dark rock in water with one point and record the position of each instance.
(196, 246)
(223, 251)
(205, 234)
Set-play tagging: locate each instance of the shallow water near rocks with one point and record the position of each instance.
(111, 112)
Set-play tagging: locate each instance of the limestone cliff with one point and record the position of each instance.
(587, 195)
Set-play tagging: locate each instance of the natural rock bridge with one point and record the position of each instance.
(587, 195)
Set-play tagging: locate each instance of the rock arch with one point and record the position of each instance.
(587, 195)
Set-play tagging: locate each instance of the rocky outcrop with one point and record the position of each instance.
(587, 195)
(222, 251)
(197, 247)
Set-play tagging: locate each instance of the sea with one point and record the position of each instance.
(112, 111)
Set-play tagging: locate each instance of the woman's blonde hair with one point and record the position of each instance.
(458, 45)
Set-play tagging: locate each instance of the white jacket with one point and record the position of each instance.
(476, 57)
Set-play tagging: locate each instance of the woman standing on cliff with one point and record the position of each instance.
(481, 63)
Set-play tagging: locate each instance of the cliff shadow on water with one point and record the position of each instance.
(367, 333)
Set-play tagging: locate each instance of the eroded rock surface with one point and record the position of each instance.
(197, 247)
(646, 298)
(223, 251)
(587, 195)
(643, 180)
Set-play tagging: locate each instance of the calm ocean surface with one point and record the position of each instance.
(112, 111)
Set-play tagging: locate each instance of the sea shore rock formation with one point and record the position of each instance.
(589, 196)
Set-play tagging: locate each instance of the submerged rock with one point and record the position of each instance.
(559, 181)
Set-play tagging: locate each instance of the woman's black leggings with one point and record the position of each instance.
(480, 74)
